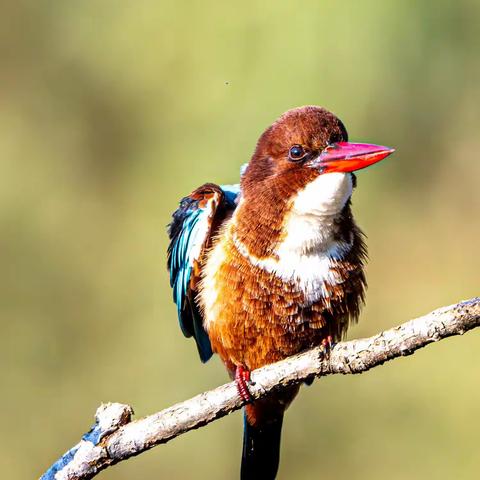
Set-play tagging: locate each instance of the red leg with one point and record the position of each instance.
(242, 378)
(328, 344)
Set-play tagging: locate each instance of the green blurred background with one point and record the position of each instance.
(113, 110)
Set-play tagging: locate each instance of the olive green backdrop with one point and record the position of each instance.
(112, 110)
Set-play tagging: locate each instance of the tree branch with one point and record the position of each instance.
(115, 437)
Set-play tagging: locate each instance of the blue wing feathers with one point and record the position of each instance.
(181, 268)
(190, 232)
(231, 193)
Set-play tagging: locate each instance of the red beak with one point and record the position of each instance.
(348, 157)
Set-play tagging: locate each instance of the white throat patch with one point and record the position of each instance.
(324, 196)
(309, 250)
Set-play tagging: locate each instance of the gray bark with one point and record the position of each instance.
(115, 437)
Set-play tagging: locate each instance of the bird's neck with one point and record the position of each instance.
(300, 242)
(314, 255)
(316, 219)
(310, 242)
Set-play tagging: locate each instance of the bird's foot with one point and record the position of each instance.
(327, 345)
(242, 380)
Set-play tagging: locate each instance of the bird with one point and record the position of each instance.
(274, 265)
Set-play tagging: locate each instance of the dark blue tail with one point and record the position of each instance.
(261, 449)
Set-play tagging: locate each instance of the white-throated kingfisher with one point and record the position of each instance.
(275, 265)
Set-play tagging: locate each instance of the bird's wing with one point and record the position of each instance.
(193, 225)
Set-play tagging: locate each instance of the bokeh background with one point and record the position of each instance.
(111, 111)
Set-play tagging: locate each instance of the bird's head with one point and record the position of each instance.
(303, 144)
(303, 163)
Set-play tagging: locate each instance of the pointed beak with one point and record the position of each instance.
(348, 157)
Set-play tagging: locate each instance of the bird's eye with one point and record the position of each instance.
(296, 153)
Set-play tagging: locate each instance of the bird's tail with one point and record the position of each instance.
(261, 448)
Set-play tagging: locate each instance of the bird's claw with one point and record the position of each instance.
(242, 380)
(327, 345)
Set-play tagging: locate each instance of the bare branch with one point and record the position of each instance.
(115, 437)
